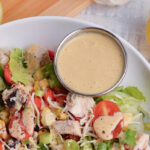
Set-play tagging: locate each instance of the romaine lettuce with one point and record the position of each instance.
(129, 137)
(71, 145)
(129, 100)
(87, 146)
(16, 64)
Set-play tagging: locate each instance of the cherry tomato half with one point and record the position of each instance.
(108, 108)
(105, 108)
(60, 99)
(1, 146)
(48, 94)
(38, 102)
(8, 74)
(51, 54)
(59, 90)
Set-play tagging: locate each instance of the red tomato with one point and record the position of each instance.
(48, 93)
(60, 99)
(1, 146)
(32, 91)
(105, 108)
(77, 118)
(20, 123)
(60, 90)
(108, 108)
(51, 54)
(72, 137)
(8, 74)
(39, 102)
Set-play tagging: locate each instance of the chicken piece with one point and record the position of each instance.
(28, 119)
(147, 148)
(68, 127)
(21, 125)
(4, 57)
(15, 97)
(15, 128)
(142, 142)
(79, 105)
(35, 57)
(105, 125)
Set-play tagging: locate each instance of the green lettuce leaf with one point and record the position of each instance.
(25, 142)
(71, 145)
(16, 64)
(134, 92)
(126, 99)
(2, 84)
(129, 100)
(42, 147)
(147, 126)
(39, 93)
(87, 146)
(1, 72)
(104, 146)
(129, 137)
(48, 72)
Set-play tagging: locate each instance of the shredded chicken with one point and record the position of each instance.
(142, 142)
(15, 129)
(148, 147)
(28, 120)
(4, 58)
(68, 127)
(79, 105)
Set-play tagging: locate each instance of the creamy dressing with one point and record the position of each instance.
(104, 125)
(90, 63)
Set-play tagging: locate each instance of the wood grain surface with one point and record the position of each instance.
(16, 9)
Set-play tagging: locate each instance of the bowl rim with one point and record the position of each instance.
(76, 21)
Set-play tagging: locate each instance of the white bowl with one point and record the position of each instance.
(49, 31)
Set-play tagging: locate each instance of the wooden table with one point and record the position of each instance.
(127, 21)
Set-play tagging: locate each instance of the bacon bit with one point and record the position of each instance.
(70, 136)
(60, 99)
(60, 90)
(51, 55)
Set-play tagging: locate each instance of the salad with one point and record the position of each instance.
(38, 113)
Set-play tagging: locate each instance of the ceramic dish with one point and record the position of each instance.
(86, 112)
(50, 31)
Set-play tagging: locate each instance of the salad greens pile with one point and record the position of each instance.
(129, 100)
(47, 103)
